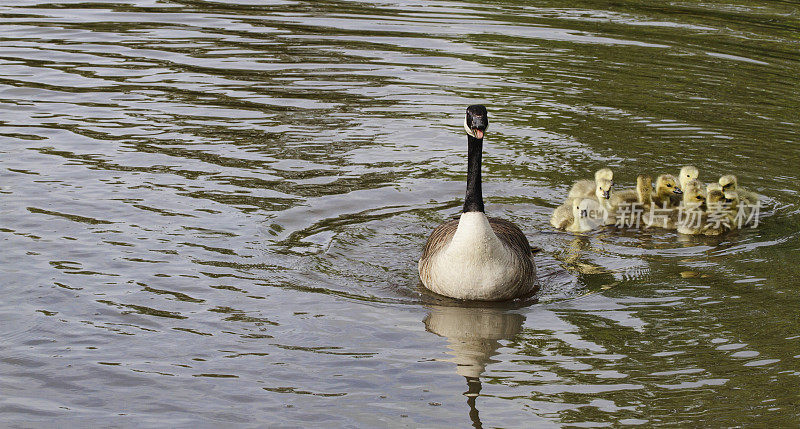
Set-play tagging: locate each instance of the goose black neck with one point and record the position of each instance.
(474, 200)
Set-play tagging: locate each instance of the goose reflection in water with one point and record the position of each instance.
(474, 335)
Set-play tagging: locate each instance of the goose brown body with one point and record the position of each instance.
(523, 282)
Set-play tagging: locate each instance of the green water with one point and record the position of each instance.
(211, 213)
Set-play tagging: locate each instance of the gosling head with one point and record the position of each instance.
(587, 214)
(693, 195)
(477, 121)
(688, 172)
(604, 174)
(580, 209)
(711, 187)
(716, 198)
(603, 189)
(732, 198)
(728, 183)
(667, 185)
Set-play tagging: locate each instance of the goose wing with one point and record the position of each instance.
(438, 238)
(511, 235)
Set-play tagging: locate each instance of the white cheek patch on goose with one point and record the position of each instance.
(469, 131)
(466, 128)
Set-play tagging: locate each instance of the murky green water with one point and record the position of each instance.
(211, 212)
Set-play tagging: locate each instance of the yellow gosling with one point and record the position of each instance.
(693, 217)
(586, 188)
(563, 215)
(718, 213)
(667, 192)
(586, 214)
(642, 194)
(688, 173)
(729, 183)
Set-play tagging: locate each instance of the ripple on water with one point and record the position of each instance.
(212, 211)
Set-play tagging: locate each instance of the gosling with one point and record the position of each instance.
(729, 183)
(587, 215)
(586, 188)
(693, 216)
(642, 194)
(578, 215)
(667, 193)
(719, 217)
(687, 174)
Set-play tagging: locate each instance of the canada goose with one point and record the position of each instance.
(476, 257)
(688, 173)
(667, 191)
(644, 190)
(587, 188)
(730, 183)
(693, 215)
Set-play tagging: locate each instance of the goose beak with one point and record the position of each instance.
(478, 133)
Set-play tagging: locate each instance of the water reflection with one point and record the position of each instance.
(241, 187)
(474, 336)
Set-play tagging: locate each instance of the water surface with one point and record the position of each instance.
(211, 213)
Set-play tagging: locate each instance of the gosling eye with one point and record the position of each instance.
(668, 185)
(699, 198)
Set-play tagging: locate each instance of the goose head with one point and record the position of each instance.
(688, 173)
(579, 210)
(666, 185)
(729, 183)
(603, 189)
(732, 198)
(476, 121)
(693, 194)
(587, 214)
(716, 198)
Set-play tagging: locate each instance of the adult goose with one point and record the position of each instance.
(476, 257)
